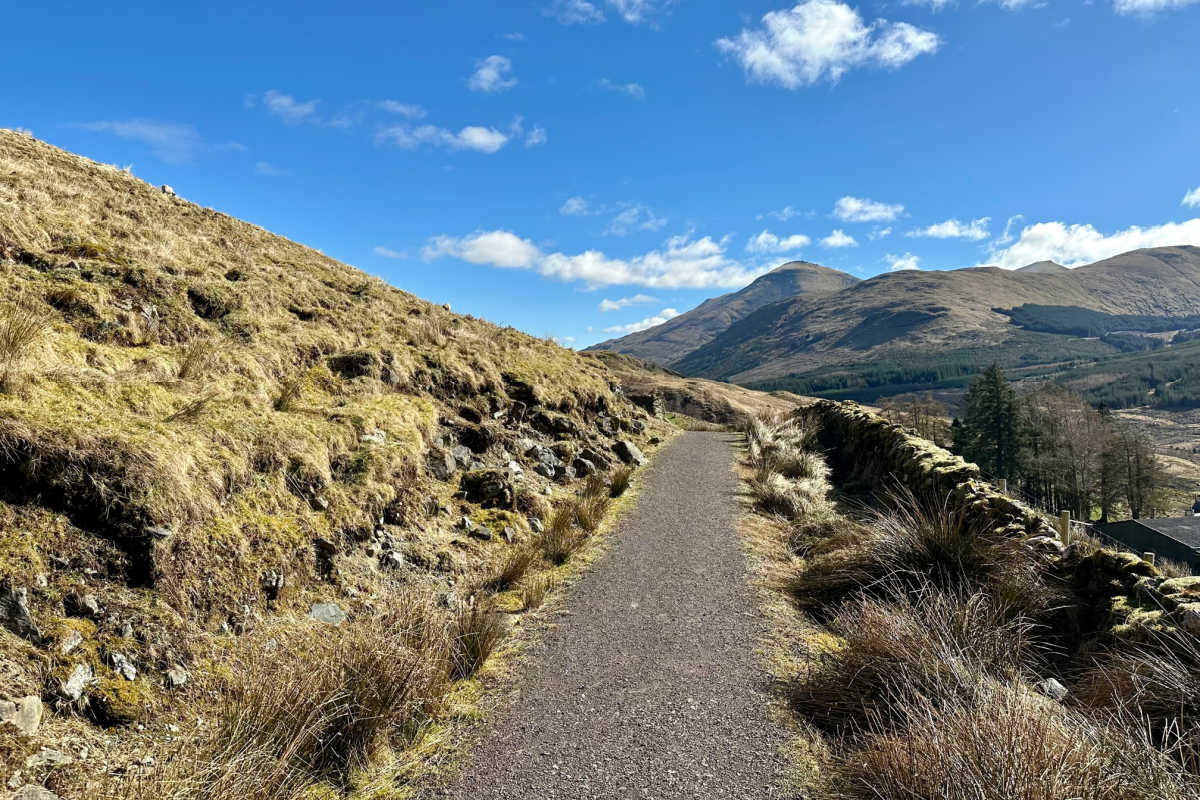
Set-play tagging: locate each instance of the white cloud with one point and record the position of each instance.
(639, 11)
(171, 142)
(906, 261)
(767, 242)
(682, 262)
(1192, 198)
(403, 109)
(1073, 245)
(575, 207)
(387, 252)
(492, 74)
(267, 169)
(288, 108)
(839, 238)
(574, 12)
(472, 137)
(1149, 6)
(1007, 236)
(536, 137)
(634, 90)
(975, 230)
(934, 5)
(880, 233)
(515, 36)
(861, 209)
(625, 302)
(649, 322)
(823, 39)
(634, 218)
(786, 213)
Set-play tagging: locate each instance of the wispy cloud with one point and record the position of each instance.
(861, 209)
(583, 12)
(822, 40)
(387, 252)
(1192, 198)
(575, 207)
(1150, 6)
(472, 137)
(288, 108)
(625, 302)
(171, 142)
(665, 315)
(574, 12)
(976, 230)
(492, 74)
(634, 90)
(407, 110)
(267, 169)
(682, 261)
(634, 218)
(839, 238)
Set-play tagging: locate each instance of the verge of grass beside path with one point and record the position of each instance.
(439, 755)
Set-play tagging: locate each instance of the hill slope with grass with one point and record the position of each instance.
(246, 484)
(910, 324)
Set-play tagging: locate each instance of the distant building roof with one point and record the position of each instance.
(1177, 538)
(1185, 530)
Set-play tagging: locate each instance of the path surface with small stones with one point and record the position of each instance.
(648, 685)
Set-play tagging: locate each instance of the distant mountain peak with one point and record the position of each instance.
(1043, 267)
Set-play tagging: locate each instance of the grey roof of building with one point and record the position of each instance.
(1182, 529)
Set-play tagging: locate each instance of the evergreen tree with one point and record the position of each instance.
(989, 433)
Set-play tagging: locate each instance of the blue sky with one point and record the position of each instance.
(578, 168)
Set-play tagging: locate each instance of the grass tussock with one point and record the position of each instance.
(22, 324)
(621, 479)
(535, 588)
(475, 632)
(511, 570)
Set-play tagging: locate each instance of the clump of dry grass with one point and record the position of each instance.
(511, 570)
(535, 588)
(21, 325)
(197, 358)
(621, 478)
(475, 631)
(560, 539)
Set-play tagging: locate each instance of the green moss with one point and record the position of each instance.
(117, 701)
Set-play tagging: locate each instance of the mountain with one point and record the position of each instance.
(917, 327)
(1044, 267)
(676, 338)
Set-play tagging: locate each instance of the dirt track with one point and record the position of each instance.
(650, 686)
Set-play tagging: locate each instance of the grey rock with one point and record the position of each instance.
(123, 666)
(606, 425)
(14, 613)
(272, 583)
(583, 467)
(24, 714)
(628, 452)
(176, 677)
(48, 757)
(126, 631)
(462, 456)
(83, 606)
(509, 533)
(1189, 617)
(329, 613)
(482, 533)
(1052, 688)
(545, 470)
(442, 464)
(515, 469)
(490, 488)
(73, 687)
(467, 524)
(393, 559)
(159, 531)
(536, 525)
(637, 426)
(1047, 545)
(598, 459)
(33, 792)
(167, 190)
(69, 642)
(376, 436)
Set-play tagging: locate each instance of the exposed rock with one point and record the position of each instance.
(583, 467)
(176, 677)
(606, 425)
(1047, 545)
(479, 438)
(14, 613)
(489, 488)
(637, 426)
(123, 666)
(126, 631)
(1189, 617)
(628, 452)
(482, 533)
(393, 559)
(48, 757)
(33, 792)
(652, 404)
(69, 642)
(509, 533)
(272, 584)
(325, 547)
(517, 412)
(462, 456)
(159, 531)
(24, 714)
(442, 463)
(377, 437)
(329, 613)
(536, 525)
(598, 459)
(77, 681)
(467, 524)
(82, 606)
(167, 190)
(1053, 689)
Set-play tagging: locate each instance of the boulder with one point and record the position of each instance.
(652, 404)
(583, 467)
(79, 678)
(1189, 617)
(124, 667)
(482, 533)
(14, 613)
(489, 488)
(48, 757)
(598, 459)
(1052, 688)
(24, 714)
(176, 677)
(442, 463)
(85, 605)
(462, 456)
(606, 425)
(628, 452)
(328, 613)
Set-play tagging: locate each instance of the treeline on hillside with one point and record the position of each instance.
(1076, 321)
(1169, 379)
(1058, 451)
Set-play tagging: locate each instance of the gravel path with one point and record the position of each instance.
(649, 687)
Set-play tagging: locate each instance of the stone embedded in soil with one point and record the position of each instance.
(32, 792)
(124, 667)
(628, 452)
(24, 714)
(72, 688)
(329, 613)
(14, 613)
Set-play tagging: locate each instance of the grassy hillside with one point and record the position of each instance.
(206, 429)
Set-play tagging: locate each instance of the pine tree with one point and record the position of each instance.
(989, 433)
